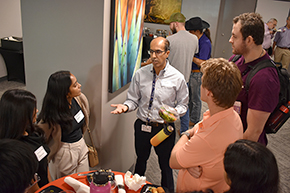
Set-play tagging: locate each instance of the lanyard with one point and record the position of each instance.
(152, 93)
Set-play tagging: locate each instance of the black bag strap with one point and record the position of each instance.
(236, 57)
(254, 69)
(284, 78)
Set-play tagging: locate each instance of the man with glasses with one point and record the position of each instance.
(152, 86)
(270, 30)
(183, 46)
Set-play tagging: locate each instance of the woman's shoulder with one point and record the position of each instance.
(43, 125)
(36, 141)
(50, 131)
(83, 96)
(82, 99)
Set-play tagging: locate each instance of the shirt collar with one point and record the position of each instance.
(163, 70)
(208, 120)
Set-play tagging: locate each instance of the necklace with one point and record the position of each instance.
(261, 53)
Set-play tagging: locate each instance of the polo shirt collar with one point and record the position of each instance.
(208, 120)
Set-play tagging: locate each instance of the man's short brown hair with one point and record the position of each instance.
(223, 79)
(251, 25)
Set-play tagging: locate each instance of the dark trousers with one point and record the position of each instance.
(163, 151)
(269, 51)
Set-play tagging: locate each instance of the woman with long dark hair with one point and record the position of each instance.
(17, 117)
(64, 119)
(250, 167)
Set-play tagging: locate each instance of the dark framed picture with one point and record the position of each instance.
(156, 11)
(127, 20)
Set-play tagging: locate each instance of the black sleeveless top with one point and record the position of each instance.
(75, 133)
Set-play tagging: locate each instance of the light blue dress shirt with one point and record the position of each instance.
(170, 89)
(282, 37)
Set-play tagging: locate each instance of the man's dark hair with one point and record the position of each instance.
(18, 165)
(251, 25)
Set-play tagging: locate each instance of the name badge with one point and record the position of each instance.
(237, 107)
(79, 116)
(40, 153)
(146, 128)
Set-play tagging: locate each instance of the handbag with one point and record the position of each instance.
(92, 152)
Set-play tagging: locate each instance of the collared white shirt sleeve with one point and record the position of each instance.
(133, 95)
(182, 98)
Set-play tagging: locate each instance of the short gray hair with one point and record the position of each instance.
(272, 20)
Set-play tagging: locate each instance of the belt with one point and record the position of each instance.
(154, 124)
(284, 48)
(195, 71)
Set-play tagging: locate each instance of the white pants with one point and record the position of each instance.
(71, 158)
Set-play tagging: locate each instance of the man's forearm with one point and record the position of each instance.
(173, 160)
(253, 136)
(197, 61)
(256, 121)
(274, 45)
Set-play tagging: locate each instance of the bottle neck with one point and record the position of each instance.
(168, 130)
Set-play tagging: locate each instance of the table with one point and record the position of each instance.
(61, 184)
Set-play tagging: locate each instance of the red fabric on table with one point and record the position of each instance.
(64, 186)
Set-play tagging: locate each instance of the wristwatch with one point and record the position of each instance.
(185, 133)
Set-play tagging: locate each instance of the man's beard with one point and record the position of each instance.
(241, 50)
(173, 30)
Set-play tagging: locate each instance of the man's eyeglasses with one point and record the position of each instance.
(157, 52)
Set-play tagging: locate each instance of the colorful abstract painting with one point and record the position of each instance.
(126, 41)
(156, 11)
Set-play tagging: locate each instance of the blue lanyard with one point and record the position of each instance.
(152, 93)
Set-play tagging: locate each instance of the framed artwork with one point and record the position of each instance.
(156, 11)
(127, 20)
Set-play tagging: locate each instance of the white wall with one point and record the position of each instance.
(275, 9)
(10, 22)
(117, 130)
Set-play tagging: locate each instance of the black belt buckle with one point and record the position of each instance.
(154, 124)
